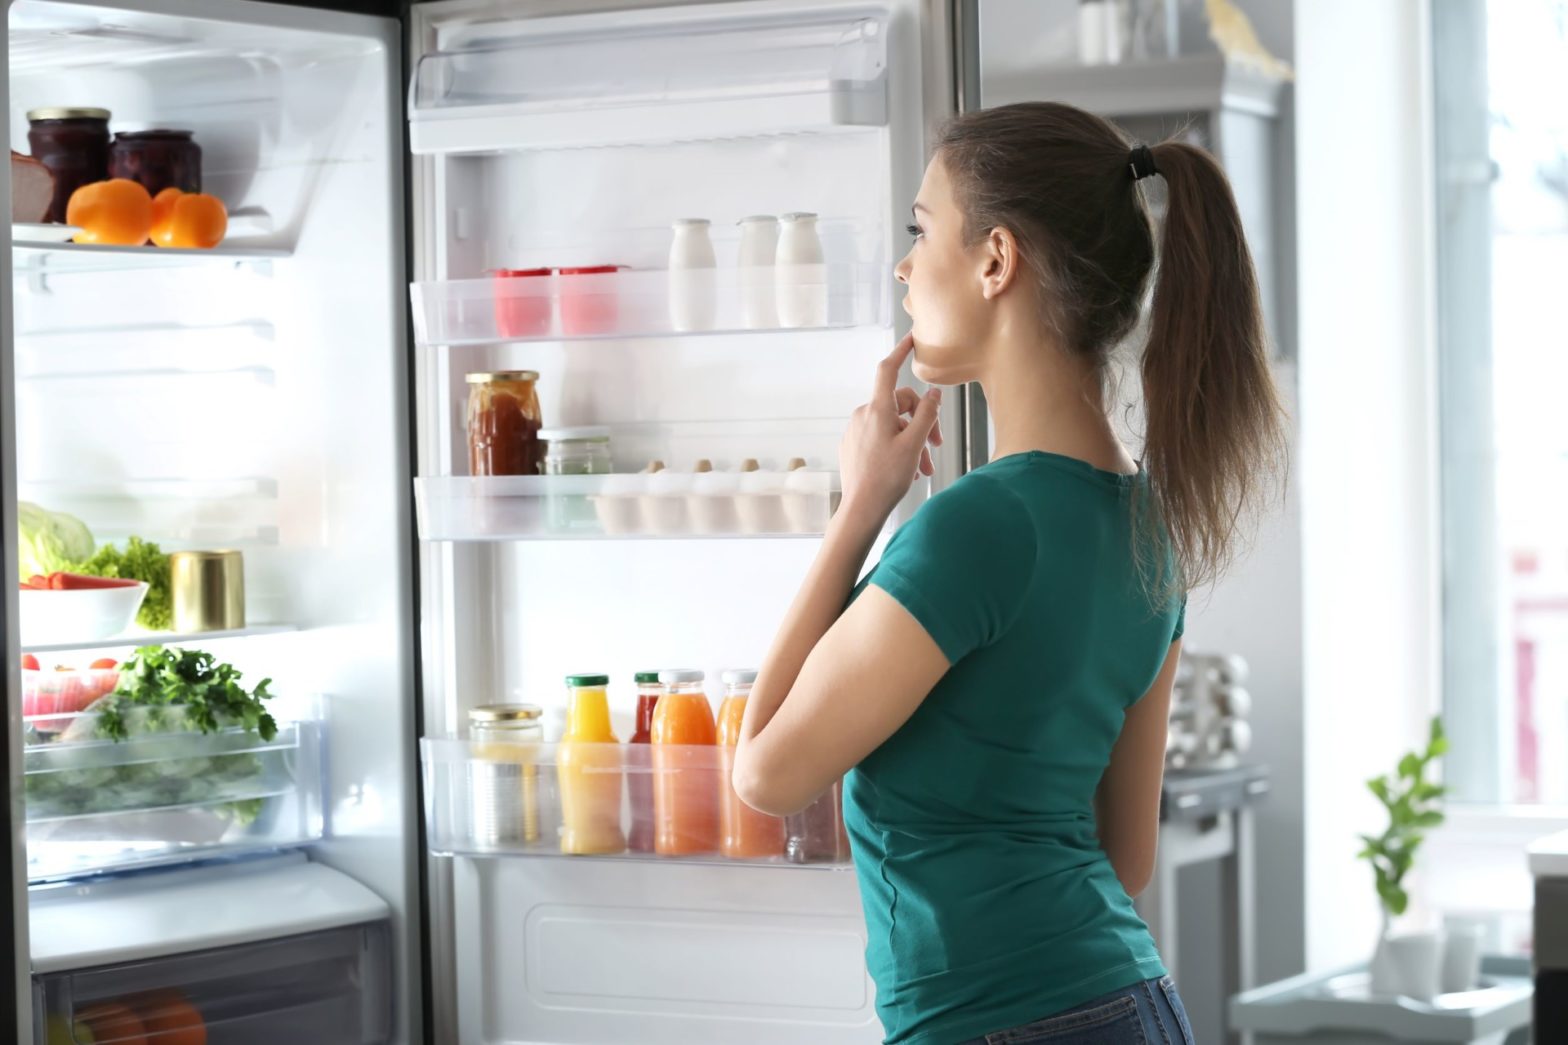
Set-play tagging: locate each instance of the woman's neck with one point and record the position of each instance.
(1041, 399)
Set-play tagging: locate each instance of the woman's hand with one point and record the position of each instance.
(886, 447)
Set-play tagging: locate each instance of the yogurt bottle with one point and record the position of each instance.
(800, 276)
(692, 277)
(759, 244)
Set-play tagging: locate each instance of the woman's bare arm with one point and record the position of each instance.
(1127, 802)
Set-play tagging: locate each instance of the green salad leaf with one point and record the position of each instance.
(140, 561)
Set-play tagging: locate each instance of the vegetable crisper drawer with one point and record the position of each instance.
(164, 792)
(330, 987)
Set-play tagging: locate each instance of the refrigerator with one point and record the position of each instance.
(450, 189)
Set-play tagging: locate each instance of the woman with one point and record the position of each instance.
(1000, 683)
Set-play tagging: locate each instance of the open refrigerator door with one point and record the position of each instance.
(653, 252)
(220, 414)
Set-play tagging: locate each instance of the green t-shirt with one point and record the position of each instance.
(988, 900)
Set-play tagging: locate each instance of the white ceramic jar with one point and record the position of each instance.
(800, 275)
(692, 276)
(759, 244)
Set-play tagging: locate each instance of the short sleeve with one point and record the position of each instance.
(1181, 619)
(963, 565)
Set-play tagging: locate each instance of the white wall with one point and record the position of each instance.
(1367, 486)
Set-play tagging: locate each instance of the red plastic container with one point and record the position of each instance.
(588, 300)
(521, 309)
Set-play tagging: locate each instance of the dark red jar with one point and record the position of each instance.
(74, 144)
(157, 159)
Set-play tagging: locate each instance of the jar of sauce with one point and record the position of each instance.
(158, 159)
(74, 144)
(503, 423)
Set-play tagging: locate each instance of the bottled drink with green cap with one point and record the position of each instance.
(588, 766)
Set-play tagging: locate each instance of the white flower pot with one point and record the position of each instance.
(1408, 962)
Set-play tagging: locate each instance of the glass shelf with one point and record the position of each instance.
(130, 640)
(41, 257)
(643, 303)
(568, 82)
(663, 505)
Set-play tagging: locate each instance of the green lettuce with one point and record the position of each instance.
(50, 541)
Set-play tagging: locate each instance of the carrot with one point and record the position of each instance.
(82, 582)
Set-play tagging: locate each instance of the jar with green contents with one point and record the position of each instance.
(574, 451)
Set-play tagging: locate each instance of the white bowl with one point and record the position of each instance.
(51, 617)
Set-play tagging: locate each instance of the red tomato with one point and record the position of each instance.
(104, 664)
(30, 662)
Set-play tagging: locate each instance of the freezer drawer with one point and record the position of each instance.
(330, 987)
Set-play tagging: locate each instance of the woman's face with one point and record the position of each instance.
(946, 281)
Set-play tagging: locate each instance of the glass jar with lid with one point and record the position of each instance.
(577, 451)
(503, 423)
(504, 775)
(159, 159)
(73, 142)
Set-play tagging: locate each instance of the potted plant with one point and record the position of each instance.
(1406, 961)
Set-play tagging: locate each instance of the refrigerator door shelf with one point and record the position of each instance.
(651, 76)
(647, 303)
(664, 504)
(131, 639)
(669, 803)
(95, 805)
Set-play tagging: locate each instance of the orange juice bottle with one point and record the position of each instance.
(588, 768)
(744, 833)
(685, 768)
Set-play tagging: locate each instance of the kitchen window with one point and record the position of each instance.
(1501, 138)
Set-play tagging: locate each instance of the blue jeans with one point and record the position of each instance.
(1147, 1013)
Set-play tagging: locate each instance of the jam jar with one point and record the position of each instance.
(74, 144)
(158, 159)
(504, 423)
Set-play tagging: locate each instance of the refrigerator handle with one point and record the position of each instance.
(974, 426)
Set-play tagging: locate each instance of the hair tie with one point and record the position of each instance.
(1141, 162)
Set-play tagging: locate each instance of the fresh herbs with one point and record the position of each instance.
(141, 561)
(1412, 804)
(208, 693)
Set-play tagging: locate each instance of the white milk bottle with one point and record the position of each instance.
(800, 275)
(692, 277)
(759, 244)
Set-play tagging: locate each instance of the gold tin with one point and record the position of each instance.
(208, 590)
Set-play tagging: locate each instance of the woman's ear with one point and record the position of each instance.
(999, 261)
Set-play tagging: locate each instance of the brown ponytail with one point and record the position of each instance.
(1213, 417)
(1060, 180)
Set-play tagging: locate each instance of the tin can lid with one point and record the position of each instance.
(505, 713)
(68, 112)
(484, 377)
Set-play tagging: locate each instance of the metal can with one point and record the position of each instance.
(503, 774)
(208, 590)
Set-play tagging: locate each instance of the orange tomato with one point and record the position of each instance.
(188, 219)
(110, 1021)
(170, 1018)
(117, 212)
(163, 210)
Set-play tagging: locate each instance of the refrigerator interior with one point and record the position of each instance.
(251, 397)
(544, 137)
